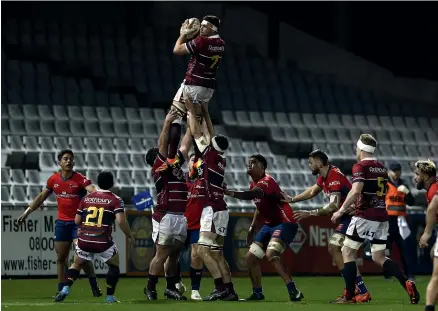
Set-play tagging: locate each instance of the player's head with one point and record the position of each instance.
(151, 155)
(317, 160)
(365, 146)
(210, 25)
(219, 143)
(395, 170)
(105, 180)
(66, 159)
(425, 173)
(257, 165)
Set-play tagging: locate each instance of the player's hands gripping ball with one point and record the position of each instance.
(190, 28)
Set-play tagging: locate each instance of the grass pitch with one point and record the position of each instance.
(21, 295)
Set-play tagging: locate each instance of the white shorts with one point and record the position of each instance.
(216, 222)
(361, 229)
(170, 228)
(198, 94)
(104, 256)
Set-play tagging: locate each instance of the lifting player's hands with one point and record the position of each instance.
(171, 116)
(299, 215)
(424, 240)
(336, 216)
(285, 197)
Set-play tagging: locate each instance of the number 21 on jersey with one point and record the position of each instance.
(94, 216)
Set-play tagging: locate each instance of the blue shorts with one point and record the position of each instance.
(192, 236)
(344, 222)
(285, 232)
(65, 231)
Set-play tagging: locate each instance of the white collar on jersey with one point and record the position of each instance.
(369, 159)
(214, 37)
(101, 190)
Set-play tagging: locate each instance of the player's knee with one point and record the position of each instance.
(255, 252)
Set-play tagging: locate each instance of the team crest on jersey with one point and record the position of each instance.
(55, 186)
(334, 183)
(299, 240)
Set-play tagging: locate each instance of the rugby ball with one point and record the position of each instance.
(190, 27)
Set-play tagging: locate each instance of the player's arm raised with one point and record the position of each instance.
(163, 140)
(431, 214)
(202, 141)
(247, 195)
(207, 124)
(186, 143)
(36, 203)
(327, 209)
(307, 194)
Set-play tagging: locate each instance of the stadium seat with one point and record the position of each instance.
(106, 145)
(93, 161)
(124, 162)
(5, 194)
(47, 144)
(19, 194)
(125, 178)
(33, 177)
(136, 146)
(62, 143)
(16, 143)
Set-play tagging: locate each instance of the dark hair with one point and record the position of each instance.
(261, 159)
(105, 180)
(221, 141)
(321, 155)
(151, 155)
(212, 20)
(368, 139)
(65, 151)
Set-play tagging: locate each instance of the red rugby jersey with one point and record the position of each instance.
(69, 193)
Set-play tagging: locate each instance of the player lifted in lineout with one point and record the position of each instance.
(278, 231)
(431, 221)
(202, 41)
(214, 217)
(96, 216)
(193, 216)
(336, 187)
(169, 223)
(370, 222)
(69, 187)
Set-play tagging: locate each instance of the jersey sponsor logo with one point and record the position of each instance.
(55, 186)
(221, 166)
(334, 183)
(216, 48)
(73, 185)
(66, 195)
(357, 174)
(377, 170)
(94, 200)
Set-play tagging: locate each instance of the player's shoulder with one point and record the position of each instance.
(78, 176)
(269, 180)
(55, 176)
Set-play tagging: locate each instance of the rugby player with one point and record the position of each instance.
(169, 223)
(193, 216)
(69, 187)
(336, 187)
(214, 217)
(368, 193)
(425, 177)
(432, 287)
(96, 216)
(278, 231)
(206, 52)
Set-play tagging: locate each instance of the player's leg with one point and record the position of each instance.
(112, 277)
(253, 257)
(283, 235)
(432, 287)
(207, 239)
(80, 258)
(196, 264)
(404, 245)
(172, 272)
(62, 248)
(378, 246)
(335, 248)
(87, 266)
(163, 239)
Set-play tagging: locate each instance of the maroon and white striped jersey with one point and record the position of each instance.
(98, 211)
(371, 202)
(171, 189)
(207, 53)
(211, 180)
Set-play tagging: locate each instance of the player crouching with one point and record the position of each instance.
(95, 216)
(279, 227)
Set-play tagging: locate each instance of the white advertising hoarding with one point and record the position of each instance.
(29, 249)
